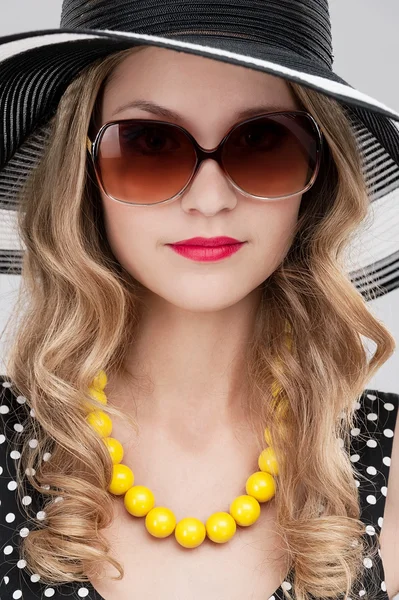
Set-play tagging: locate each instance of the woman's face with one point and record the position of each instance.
(207, 94)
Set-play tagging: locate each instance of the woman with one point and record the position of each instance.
(215, 363)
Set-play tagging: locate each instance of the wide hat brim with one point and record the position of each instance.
(36, 68)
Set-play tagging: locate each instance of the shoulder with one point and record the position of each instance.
(376, 414)
(376, 428)
(376, 447)
(13, 413)
(15, 523)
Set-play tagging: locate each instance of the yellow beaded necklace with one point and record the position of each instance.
(160, 521)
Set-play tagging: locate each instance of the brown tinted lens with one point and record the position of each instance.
(272, 156)
(144, 162)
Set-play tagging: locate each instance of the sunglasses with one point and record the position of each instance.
(268, 157)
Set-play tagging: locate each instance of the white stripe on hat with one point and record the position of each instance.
(17, 46)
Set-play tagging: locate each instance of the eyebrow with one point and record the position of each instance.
(157, 109)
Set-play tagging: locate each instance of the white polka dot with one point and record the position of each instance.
(384, 490)
(387, 461)
(26, 500)
(35, 577)
(32, 412)
(371, 443)
(354, 458)
(6, 579)
(370, 529)
(371, 499)
(41, 515)
(356, 405)
(18, 427)
(362, 592)
(24, 532)
(371, 470)
(357, 482)
(355, 431)
(7, 384)
(30, 471)
(10, 517)
(33, 443)
(271, 598)
(341, 443)
(286, 585)
(8, 549)
(15, 454)
(371, 396)
(46, 456)
(1, 470)
(58, 499)
(21, 564)
(12, 485)
(2, 438)
(46, 486)
(372, 417)
(383, 586)
(49, 592)
(380, 521)
(17, 594)
(388, 433)
(388, 406)
(21, 399)
(4, 409)
(83, 592)
(368, 563)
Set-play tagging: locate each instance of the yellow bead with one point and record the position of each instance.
(98, 395)
(190, 532)
(122, 480)
(139, 500)
(261, 486)
(268, 438)
(100, 422)
(115, 449)
(160, 522)
(220, 527)
(100, 381)
(268, 462)
(245, 510)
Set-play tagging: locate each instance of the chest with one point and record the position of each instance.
(389, 538)
(251, 565)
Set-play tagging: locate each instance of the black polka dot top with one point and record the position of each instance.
(370, 448)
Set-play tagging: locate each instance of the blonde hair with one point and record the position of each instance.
(80, 314)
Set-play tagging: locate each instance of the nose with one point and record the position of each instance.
(210, 190)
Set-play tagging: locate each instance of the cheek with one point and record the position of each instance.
(133, 234)
(274, 230)
(138, 237)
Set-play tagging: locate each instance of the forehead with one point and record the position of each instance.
(192, 85)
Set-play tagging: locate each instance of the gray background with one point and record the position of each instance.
(366, 51)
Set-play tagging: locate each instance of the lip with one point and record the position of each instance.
(206, 253)
(207, 242)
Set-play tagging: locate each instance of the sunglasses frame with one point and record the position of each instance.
(203, 154)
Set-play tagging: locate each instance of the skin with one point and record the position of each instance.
(200, 314)
(197, 319)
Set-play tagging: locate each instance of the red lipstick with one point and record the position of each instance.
(207, 249)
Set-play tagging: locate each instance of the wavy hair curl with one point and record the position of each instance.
(78, 310)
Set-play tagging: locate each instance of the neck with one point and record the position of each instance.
(187, 367)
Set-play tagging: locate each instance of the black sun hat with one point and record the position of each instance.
(286, 38)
